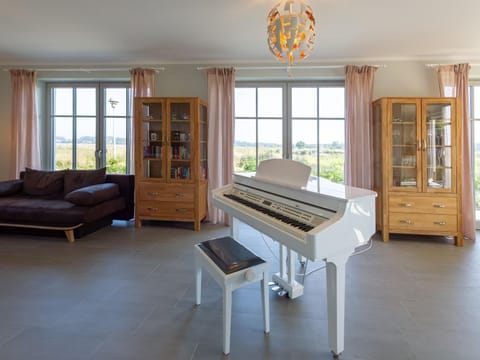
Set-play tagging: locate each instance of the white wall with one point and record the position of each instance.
(402, 78)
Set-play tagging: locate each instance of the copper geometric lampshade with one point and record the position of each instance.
(291, 30)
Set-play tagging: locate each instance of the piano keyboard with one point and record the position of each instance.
(278, 216)
(297, 220)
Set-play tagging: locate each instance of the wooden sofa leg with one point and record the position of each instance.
(70, 235)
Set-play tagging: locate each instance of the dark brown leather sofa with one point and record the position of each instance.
(74, 201)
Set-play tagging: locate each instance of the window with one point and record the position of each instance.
(474, 95)
(299, 121)
(89, 126)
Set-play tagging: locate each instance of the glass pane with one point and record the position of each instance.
(180, 141)
(304, 102)
(404, 133)
(245, 102)
(152, 141)
(404, 145)
(86, 101)
(332, 150)
(203, 142)
(180, 111)
(63, 130)
(116, 101)
(63, 101)
(152, 111)
(476, 102)
(404, 112)
(269, 139)
(331, 102)
(270, 102)
(304, 143)
(245, 146)
(86, 143)
(405, 176)
(116, 144)
(476, 151)
(439, 146)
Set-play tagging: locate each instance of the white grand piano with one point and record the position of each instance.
(310, 216)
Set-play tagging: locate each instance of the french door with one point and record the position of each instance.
(89, 126)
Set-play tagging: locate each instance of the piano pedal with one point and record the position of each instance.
(275, 288)
(294, 289)
(271, 283)
(282, 293)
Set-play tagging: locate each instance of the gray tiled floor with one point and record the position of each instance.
(126, 293)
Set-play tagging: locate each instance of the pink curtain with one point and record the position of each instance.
(25, 150)
(143, 82)
(143, 85)
(453, 81)
(221, 120)
(359, 126)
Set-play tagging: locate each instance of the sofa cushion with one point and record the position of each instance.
(38, 210)
(40, 182)
(75, 179)
(94, 194)
(10, 187)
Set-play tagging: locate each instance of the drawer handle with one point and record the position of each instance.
(179, 195)
(440, 206)
(181, 210)
(152, 209)
(440, 223)
(409, 222)
(406, 204)
(153, 193)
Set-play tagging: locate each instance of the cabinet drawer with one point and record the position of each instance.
(165, 192)
(423, 204)
(423, 222)
(164, 210)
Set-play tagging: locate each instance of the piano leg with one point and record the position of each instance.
(336, 302)
(235, 228)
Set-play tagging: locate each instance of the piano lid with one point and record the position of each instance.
(315, 184)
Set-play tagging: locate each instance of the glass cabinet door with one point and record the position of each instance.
(438, 146)
(153, 140)
(180, 140)
(404, 135)
(203, 142)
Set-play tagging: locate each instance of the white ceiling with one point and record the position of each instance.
(230, 32)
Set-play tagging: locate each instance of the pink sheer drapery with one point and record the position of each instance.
(358, 126)
(221, 120)
(142, 82)
(453, 81)
(143, 85)
(25, 150)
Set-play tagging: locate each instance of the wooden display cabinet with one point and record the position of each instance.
(417, 174)
(170, 159)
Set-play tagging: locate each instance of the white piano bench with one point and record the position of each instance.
(232, 266)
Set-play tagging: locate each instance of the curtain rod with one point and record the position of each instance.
(87, 70)
(287, 68)
(437, 65)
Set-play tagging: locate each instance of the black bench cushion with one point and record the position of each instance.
(229, 255)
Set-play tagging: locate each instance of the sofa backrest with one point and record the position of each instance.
(126, 184)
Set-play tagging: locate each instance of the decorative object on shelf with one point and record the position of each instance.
(291, 30)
